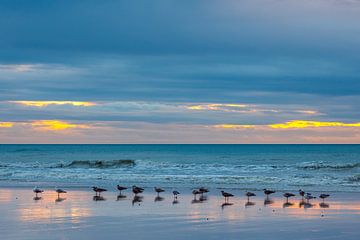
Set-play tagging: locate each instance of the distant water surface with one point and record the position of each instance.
(313, 167)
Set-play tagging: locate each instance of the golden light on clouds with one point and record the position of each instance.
(312, 124)
(47, 103)
(56, 125)
(6, 124)
(233, 126)
(215, 106)
(295, 124)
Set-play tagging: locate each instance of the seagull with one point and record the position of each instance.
(301, 193)
(195, 192)
(59, 191)
(250, 194)
(176, 193)
(309, 197)
(323, 196)
(98, 190)
(137, 190)
(158, 190)
(287, 195)
(37, 190)
(203, 190)
(121, 188)
(226, 195)
(268, 192)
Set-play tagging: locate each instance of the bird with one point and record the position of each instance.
(158, 190)
(195, 192)
(287, 195)
(136, 190)
(37, 190)
(323, 196)
(226, 195)
(250, 194)
(268, 192)
(59, 191)
(203, 190)
(308, 197)
(121, 188)
(175, 193)
(301, 193)
(98, 190)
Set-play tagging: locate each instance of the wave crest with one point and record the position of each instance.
(317, 166)
(98, 164)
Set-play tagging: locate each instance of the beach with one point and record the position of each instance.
(77, 215)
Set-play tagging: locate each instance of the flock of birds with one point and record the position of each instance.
(196, 192)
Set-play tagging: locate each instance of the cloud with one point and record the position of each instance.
(6, 124)
(56, 125)
(47, 103)
(295, 124)
(311, 124)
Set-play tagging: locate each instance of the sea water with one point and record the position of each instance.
(281, 167)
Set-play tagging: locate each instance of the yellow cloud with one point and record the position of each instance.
(309, 124)
(233, 126)
(47, 103)
(6, 124)
(55, 125)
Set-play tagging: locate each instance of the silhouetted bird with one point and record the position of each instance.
(323, 196)
(301, 193)
(308, 197)
(59, 191)
(287, 195)
(158, 190)
(195, 192)
(121, 188)
(250, 194)
(203, 190)
(226, 195)
(37, 190)
(98, 190)
(176, 193)
(136, 190)
(268, 192)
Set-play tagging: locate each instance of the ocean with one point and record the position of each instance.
(279, 167)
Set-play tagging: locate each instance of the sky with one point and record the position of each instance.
(163, 71)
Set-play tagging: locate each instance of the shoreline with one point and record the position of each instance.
(79, 215)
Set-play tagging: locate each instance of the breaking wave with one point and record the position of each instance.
(322, 165)
(98, 164)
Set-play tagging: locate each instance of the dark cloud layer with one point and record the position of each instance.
(289, 54)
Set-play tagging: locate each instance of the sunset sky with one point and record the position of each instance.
(162, 71)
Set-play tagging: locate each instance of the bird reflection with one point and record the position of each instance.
(324, 205)
(287, 204)
(120, 197)
(158, 199)
(37, 198)
(175, 202)
(268, 201)
(203, 198)
(98, 198)
(59, 199)
(225, 204)
(249, 204)
(195, 201)
(305, 204)
(137, 199)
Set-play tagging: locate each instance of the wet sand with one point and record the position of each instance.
(81, 216)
